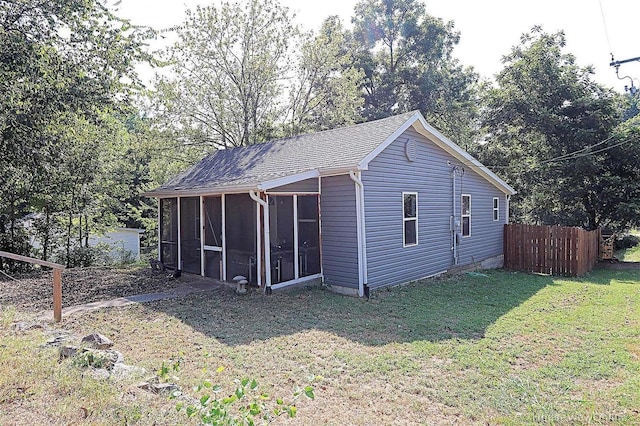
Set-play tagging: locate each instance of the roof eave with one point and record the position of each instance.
(287, 180)
(261, 187)
(218, 190)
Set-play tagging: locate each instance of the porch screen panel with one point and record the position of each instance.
(213, 221)
(308, 235)
(240, 234)
(169, 232)
(213, 264)
(282, 238)
(190, 234)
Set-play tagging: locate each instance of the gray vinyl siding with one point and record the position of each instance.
(390, 174)
(486, 239)
(307, 185)
(339, 231)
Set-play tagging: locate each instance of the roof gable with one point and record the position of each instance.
(418, 122)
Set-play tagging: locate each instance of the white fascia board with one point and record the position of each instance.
(286, 180)
(462, 155)
(364, 164)
(230, 189)
(335, 171)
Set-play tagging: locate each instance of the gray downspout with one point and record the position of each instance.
(454, 221)
(267, 245)
(362, 236)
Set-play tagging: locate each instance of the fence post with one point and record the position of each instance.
(57, 279)
(57, 295)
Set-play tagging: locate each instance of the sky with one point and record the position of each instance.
(488, 28)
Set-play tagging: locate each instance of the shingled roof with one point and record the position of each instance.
(248, 167)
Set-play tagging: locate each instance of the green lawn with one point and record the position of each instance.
(508, 348)
(629, 255)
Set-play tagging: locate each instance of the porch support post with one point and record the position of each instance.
(259, 246)
(319, 198)
(267, 248)
(179, 265)
(159, 229)
(224, 238)
(296, 250)
(202, 222)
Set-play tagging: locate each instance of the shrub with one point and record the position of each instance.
(626, 242)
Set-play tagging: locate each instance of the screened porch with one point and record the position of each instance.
(229, 235)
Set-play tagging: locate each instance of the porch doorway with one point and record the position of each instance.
(190, 234)
(169, 232)
(240, 237)
(294, 235)
(213, 237)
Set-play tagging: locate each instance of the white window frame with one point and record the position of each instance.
(409, 219)
(463, 215)
(496, 209)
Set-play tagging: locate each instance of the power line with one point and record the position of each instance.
(606, 31)
(583, 152)
(571, 155)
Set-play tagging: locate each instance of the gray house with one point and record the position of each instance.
(359, 207)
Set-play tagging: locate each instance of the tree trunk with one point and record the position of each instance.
(592, 214)
(86, 231)
(68, 249)
(47, 223)
(69, 227)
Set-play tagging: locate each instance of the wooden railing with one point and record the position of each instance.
(554, 250)
(57, 279)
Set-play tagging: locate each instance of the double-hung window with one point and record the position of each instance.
(496, 209)
(466, 215)
(410, 219)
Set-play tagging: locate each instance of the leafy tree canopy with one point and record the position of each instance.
(407, 58)
(556, 136)
(66, 76)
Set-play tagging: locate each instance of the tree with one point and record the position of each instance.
(66, 69)
(325, 93)
(227, 63)
(551, 132)
(406, 55)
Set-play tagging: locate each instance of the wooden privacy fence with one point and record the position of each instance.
(57, 279)
(554, 250)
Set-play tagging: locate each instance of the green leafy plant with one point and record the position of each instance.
(244, 406)
(165, 370)
(95, 359)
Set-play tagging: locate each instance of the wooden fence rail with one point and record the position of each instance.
(554, 250)
(57, 279)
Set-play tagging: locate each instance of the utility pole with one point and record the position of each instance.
(624, 61)
(631, 89)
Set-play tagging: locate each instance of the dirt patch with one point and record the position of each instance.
(33, 292)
